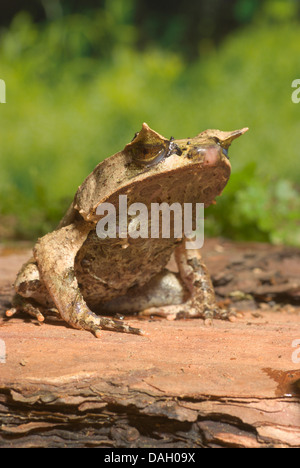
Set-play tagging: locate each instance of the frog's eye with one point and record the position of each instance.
(225, 152)
(149, 155)
(148, 148)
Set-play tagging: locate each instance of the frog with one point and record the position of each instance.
(88, 278)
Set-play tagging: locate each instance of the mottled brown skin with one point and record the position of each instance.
(76, 273)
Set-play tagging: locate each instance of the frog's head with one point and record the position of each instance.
(209, 148)
(223, 139)
(148, 148)
(152, 168)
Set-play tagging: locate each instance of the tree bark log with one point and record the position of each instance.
(183, 385)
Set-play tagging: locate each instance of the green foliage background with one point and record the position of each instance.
(80, 85)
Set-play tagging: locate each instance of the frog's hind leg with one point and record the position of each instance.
(31, 294)
(20, 304)
(201, 301)
(55, 260)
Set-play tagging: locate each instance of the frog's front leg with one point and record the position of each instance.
(55, 256)
(202, 301)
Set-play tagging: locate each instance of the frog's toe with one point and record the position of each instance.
(115, 325)
(216, 312)
(96, 324)
(20, 305)
(169, 312)
(190, 310)
(11, 312)
(180, 311)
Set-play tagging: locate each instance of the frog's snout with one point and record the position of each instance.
(212, 155)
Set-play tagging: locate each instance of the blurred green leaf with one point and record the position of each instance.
(78, 89)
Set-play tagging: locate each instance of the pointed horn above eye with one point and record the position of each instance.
(147, 147)
(238, 133)
(147, 136)
(227, 137)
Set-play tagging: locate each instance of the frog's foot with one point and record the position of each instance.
(22, 305)
(87, 320)
(190, 310)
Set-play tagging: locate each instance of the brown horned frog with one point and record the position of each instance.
(79, 274)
